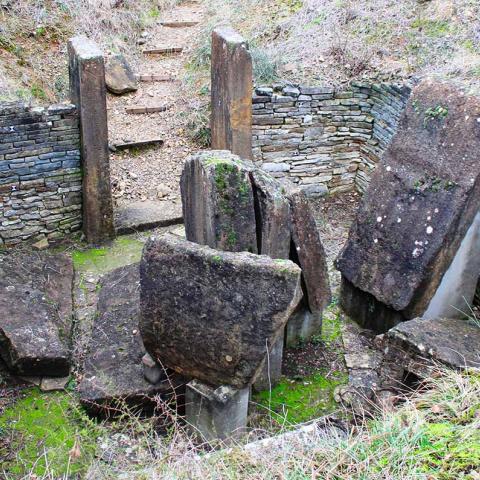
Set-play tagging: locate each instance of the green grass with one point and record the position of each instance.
(432, 28)
(297, 401)
(44, 429)
(123, 251)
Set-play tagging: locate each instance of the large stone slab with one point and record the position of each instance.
(422, 200)
(210, 314)
(218, 203)
(113, 369)
(420, 344)
(232, 76)
(119, 77)
(36, 313)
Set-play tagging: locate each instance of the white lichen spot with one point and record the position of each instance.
(429, 218)
(379, 219)
(412, 198)
(429, 230)
(399, 220)
(375, 240)
(436, 210)
(389, 168)
(417, 252)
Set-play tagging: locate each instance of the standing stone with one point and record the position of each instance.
(272, 215)
(232, 78)
(210, 314)
(422, 201)
(119, 77)
(218, 204)
(88, 93)
(36, 313)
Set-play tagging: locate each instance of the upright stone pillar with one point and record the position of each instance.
(88, 93)
(232, 77)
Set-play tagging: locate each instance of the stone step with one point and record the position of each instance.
(142, 109)
(140, 216)
(179, 24)
(162, 50)
(138, 144)
(154, 78)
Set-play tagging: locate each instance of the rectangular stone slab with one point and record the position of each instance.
(113, 369)
(210, 314)
(36, 313)
(422, 199)
(218, 204)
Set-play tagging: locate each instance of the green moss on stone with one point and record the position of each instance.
(43, 429)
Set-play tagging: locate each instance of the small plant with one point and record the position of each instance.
(38, 92)
(435, 113)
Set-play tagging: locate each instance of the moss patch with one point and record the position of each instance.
(47, 430)
(123, 251)
(297, 401)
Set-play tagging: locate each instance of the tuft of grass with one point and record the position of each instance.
(50, 435)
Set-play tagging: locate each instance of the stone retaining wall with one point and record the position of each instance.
(40, 174)
(322, 138)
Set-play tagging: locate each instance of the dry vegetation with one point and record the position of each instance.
(33, 35)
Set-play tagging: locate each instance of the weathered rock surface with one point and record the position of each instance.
(36, 313)
(218, 204)
(272, 210)
(113, 370)
(308, 252)
(210, 314)
(419, 344)
(119, 77)
(423, 198)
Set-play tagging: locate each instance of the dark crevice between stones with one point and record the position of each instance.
(258, 213)
(293, 256)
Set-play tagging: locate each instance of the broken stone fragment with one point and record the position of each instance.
(414, 218)
(218, 205)
(36, 313)
(113, 370)
(210, 314)
(119, 77)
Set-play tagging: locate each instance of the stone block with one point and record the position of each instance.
(216, 413)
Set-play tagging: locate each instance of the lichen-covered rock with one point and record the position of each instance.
(422, 200)
(218, 205)
(36, 313)
(210, 314)
(119, 77)
(113, 370)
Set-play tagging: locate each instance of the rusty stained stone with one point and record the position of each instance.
(88, 93)
(232, 75)
(422, 199)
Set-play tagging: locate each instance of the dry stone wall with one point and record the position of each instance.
(322, 138)
(40, 174)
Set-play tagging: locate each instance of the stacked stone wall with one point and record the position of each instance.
(322, 138)
(40, 173)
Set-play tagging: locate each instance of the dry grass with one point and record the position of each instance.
(33, 35)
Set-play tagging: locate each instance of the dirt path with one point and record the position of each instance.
(153, 174)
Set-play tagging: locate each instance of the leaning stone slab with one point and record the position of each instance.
(210, 314)
(218, 203)
(113, 371)
(119, 77)
(422, 201)
(421, 344)
(36, 313)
